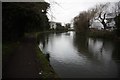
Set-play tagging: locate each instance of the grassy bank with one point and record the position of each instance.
(49, 31)
(8, 50)
(102, 34)
(47, 70)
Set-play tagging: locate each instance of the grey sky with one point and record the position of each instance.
(68, 9)
(22, 0)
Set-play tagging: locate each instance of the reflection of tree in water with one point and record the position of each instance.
(116, 51)
(100, 51)
(82, 45)
(43, 38)
(91, 47)
(48, 56)
(58, 33)
(67, 33)
(116, 55)
(81, 42)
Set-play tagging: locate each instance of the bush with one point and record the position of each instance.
(117, 21)
(101, 34)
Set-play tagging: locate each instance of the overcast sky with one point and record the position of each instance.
(22, 0)
(66, 10)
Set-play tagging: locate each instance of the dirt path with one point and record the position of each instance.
(23, 63)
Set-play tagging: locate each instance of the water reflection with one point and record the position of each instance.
(102, 51)
(48, 56)
(75, 56)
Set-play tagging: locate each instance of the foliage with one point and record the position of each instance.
(67, 26)
(19, 18)
(47, 70)
(101, 34)
(101, 13)
(81, 22)
(86, 18)
(59, 27)
(117, 20)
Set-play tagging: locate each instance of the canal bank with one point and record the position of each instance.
(75, 56)
(104, 34)
(24, 59)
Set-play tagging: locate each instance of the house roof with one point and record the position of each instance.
(110, 15)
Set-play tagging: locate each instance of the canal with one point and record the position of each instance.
(75, 56)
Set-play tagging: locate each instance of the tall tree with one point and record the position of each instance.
(19, 18)
(117, 19)
(82, 21)
(101, 14)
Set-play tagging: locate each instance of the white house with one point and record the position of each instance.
(109, 21)
(96, 24)
(53, 25)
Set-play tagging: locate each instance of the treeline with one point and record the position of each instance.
(117, 20)
(84, 20)
(21, 17)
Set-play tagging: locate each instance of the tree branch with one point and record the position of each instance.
(100, 15)
(104, 16)
(97, 19)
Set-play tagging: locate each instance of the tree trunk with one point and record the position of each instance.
(104, 25)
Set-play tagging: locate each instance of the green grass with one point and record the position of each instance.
(47, 70)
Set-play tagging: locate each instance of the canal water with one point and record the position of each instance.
(75, 56)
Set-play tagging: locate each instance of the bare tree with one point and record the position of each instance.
(101, 13)
(117, 19)
(82, 21)
(50, 12)
(117, 7)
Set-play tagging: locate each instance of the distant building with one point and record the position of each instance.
(96, 24)
(68, 26)
(56, 25)
(109, 21)
(53, 25)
